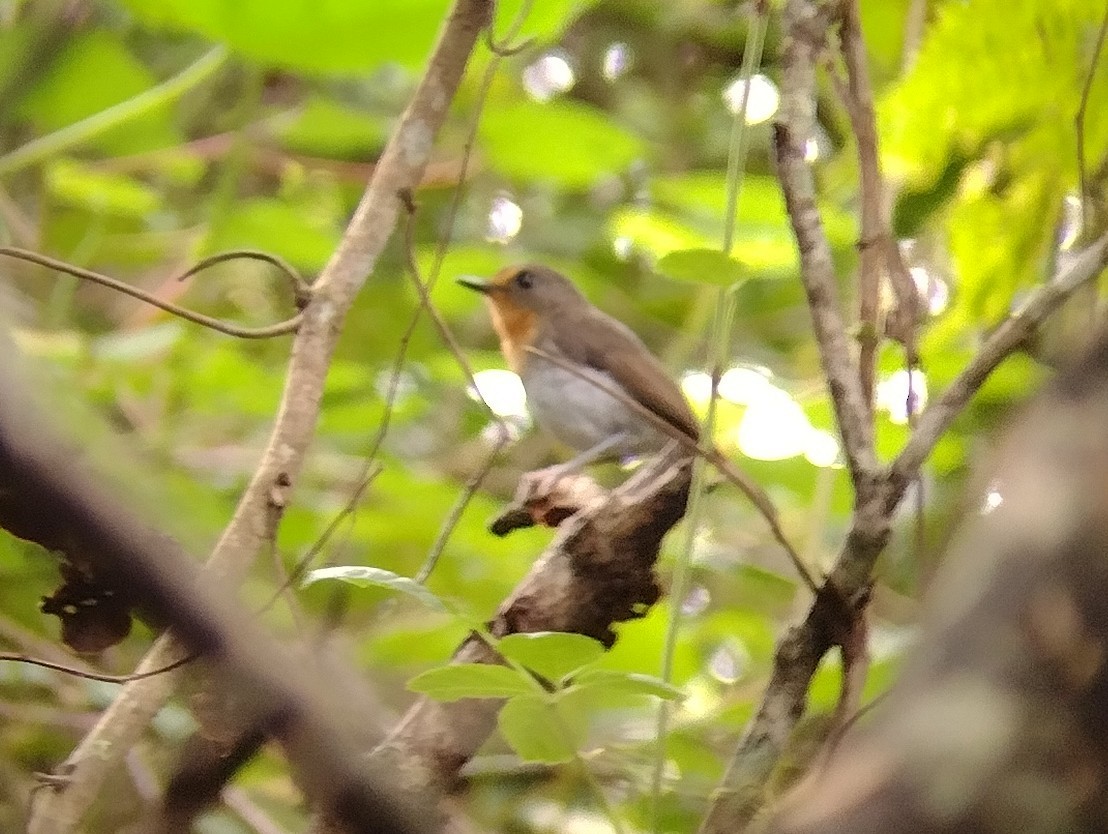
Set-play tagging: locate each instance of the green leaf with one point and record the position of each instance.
(274, 226)
(529, 724)
(701, 266)
(329, 36)
(631, 683)
(959, 96)
(324, 126)
(76, 184)
(93, 73)
(470, 680)
(565, 142)
(364, 576)
(552, 654)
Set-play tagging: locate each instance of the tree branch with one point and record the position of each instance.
(997, 721)
(598, 571)
(806, 27)
(938, 416)
(276, 694)
(877, 494)
(800, 651)
(401, 166)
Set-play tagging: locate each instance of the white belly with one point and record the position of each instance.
(579, 414)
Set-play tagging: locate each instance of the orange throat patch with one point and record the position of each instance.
(516, 326)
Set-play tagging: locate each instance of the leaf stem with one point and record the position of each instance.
(719, 341)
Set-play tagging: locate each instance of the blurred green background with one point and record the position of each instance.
(601, 148)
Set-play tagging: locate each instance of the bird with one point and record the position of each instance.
(570, 355)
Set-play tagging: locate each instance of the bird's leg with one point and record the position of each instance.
(543, 481)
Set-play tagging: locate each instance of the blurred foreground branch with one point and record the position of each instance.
(38, 477)
(401, 167)
(997, 722)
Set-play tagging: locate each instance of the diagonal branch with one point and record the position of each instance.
(938, 416)
(598, 571)
(278, 697)
(254, 522)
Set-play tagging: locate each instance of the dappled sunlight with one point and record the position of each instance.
(822, 449)
(932, 289)
(893, 391)
(773, 425)
(744, 385)
(728, 662)
(993, 499)
(1071, 222)
(505, 220)
(696, 601)
(697, 387)
(549, 76)
(503, 391)
(617, 60)
(701, 699)
(763, 99)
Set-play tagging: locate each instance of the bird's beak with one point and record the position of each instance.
(474, 283)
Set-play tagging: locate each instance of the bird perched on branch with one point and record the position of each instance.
(582, 370)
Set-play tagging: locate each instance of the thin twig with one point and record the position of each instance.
(371, 471)
(502, 435)
(455, 514)
(447, 337)
(302, 290)
(228, 328)
(1079, 119)
(504, 48)
(747, 485)
(798, 654)
(401, 165)
(95, 676)
(938, 416)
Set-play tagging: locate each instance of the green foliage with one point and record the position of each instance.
(551, 654)
(470, 680)
(620, 181)
(363, 576)
(703, 266)
(527, 141)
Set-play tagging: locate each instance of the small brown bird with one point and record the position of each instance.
(533, 306)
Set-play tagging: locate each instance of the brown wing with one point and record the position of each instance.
(602, 342)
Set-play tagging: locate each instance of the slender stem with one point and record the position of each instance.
(601, 797)
(158, 95)
(719, 341)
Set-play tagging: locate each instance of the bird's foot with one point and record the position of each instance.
(541, 482)
(547, 497)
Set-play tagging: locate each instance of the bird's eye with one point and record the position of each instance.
(525, 279)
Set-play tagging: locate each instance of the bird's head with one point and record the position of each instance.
(529, 287)
(519, 299)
